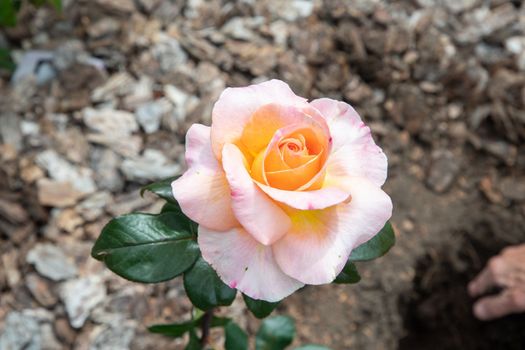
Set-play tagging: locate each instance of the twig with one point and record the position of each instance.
(205, 326)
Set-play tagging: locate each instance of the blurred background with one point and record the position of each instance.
(95, 100)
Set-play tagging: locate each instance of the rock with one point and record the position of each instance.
(10, 132)
(512, 188)
(150, 114)
(103, 27)
(41, 290)
(106, 163)
(152, 165)
(168, 52)
(128, 202)
(73, 144)
(49, 340)
(13, 212)
(443, 171)
(93, 207)
(30, 62)
(68, 220)
(141, 92)
(61, 170)
(408, 108)
(10, 266)
(64, 331)
(242, 28)
(502, 150)
(57, 193)
(110, 121)
(126, 146)
(113, 337)
(120, 6)
(182, 101)
(456, 6)
(81, 296)
(20, 332)
(292, 10)
(119, 84)
(51, 262)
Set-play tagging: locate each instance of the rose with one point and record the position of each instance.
(282, 189)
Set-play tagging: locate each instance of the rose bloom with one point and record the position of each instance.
(282, 189)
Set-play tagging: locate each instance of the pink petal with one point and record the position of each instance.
(354, 150)
(203, 192)
(257, 213)
(320, 241)
(236, 105)
(245, 264)
(307, 200)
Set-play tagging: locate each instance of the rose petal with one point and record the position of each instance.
(354, 150)
(317, 139)
(203, 192)
(308, 200)
(320, 241)
(257, 213)
(236, 105)
(245, 264)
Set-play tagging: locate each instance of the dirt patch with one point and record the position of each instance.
(438, 312)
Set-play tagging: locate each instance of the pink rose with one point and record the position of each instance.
(282, 189)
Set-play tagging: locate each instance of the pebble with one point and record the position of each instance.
(81, 296)
(51, 262)
(443, 171)
(20, 332)
(57, 193)
(149, 114)
(151, 166)
(61, 170)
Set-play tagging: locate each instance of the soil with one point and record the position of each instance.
(440, 83)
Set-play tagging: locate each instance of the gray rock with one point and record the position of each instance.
(152, 165)
(242, 28)
(21, 332)
(443, 171)
(106, 163)
(61, 170)
(81, 296)
(168, 52)
(513, 188)
(182, 101)
(93, 207)
(110, 121)
(113, 337)
(150, 114)
(51, 262)
(119, 84)
(10, 132)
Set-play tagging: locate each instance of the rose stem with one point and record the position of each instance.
(205, 326)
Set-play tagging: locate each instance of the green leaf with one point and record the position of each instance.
(236, 338)
(171, 207)
(204, 287)
(174, 330)
(175, 208)
(276, 333)
(194, 343)
(219, 321)
(259, 308)
(161, 188)
(57, 4)
(312, 347)
(377, 246)
(6, 62)
(147, 248)
(348, 275)
(7, 13)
